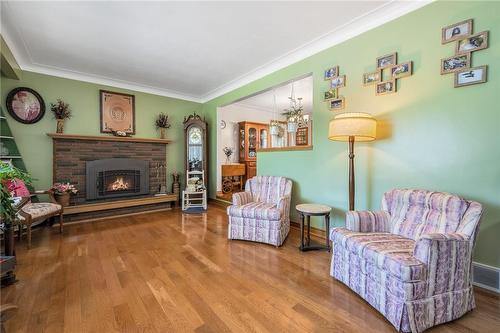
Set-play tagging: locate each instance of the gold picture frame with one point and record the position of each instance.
(468, 44)
(387, 60)
(338, 82)
(404, 69)
(331, 73)
(377, 73)
(331, 94)
(450, 67)
(459, 82)
(456, 31)
(386, 87)
(337, 104)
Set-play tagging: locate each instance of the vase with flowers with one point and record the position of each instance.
(228, 151)
(61, 112)
(162, 124)
(62, 192)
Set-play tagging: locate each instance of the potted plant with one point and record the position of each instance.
(61, 112)
(8, 174)
(62, 192)
(162, 124)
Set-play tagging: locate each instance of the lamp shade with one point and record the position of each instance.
(361, 126)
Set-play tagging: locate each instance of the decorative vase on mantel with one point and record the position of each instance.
(60, 126)
(163, 131)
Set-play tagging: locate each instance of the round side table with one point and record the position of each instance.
(306, 211)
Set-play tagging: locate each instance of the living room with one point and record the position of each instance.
(367, 201)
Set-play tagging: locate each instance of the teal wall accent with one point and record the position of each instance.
(36, 147)
(431, 135)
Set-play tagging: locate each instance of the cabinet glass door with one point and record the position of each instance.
(252, 142)
(263, 138)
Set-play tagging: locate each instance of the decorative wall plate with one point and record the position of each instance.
(25, 105)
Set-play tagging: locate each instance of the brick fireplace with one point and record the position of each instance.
(72, 154)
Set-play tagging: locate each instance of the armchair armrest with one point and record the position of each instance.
(50, 193)
(368, 221)
(242, 198)
(284, 203)
(448, 259)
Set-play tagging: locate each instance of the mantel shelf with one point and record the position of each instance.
(56, 136)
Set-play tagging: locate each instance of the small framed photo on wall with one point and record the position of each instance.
(472, 43)
(385, 88)
(387, 61)
(456, 31)
(331, 72)
(117, 112)
(337, 104)
(372, 78)
(471, 76)
(401, 70)
(455, 63)
(338, 82)
(331, 94)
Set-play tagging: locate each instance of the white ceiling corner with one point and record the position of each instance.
(194, 51)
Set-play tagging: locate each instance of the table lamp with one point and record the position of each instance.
(350, 127)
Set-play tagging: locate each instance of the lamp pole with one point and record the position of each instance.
(351, 173)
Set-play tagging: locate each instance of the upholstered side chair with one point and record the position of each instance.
(34, 213)
(412, 259)
(262, 212)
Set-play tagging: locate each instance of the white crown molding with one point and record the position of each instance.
(355, 27)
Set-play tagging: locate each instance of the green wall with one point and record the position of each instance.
(36, 147)
(431, 135)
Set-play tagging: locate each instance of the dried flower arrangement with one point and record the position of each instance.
(60, 109)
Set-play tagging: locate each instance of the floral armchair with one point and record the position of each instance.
(412, 259)
(262, 212)
(35, 213)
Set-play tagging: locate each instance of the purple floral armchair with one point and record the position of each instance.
(262, 212)
(412, 259)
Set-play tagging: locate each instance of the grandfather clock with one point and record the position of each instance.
(195, 138)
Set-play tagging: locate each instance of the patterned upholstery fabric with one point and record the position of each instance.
(40, 209)
(262, 212)
(412, 260)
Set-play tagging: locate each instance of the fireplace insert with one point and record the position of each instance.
(116, 177)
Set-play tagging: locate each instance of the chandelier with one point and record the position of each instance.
(295, 112)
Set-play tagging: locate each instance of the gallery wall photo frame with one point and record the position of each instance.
(372, 78)
(471, 76)
(402, 70)
(337, 104)
(472, 43)
(456, 31)
(455, 63)
(387, 60)
(117, 112)
(386, 87)
(331, 73)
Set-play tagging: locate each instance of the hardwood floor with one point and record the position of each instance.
(165, 272)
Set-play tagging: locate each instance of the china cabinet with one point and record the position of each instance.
(252, 136)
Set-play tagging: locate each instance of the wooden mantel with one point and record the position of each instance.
(56, 136)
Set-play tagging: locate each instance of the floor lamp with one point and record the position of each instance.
(350, 127)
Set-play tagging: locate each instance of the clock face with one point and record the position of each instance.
(222, 124)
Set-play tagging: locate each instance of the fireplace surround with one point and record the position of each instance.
(116, 177)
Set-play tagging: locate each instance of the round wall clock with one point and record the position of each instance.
(25, 105)
(222, 124)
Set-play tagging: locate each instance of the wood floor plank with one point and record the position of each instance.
(174, 272)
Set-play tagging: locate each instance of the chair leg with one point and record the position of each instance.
(28, 234)
(61, 222)
(19, 232)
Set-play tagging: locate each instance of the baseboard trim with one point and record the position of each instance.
(94, 219)
(486, 276)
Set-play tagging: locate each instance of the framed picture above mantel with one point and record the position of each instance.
(117, 112)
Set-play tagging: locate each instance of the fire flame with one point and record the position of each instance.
(119, 184)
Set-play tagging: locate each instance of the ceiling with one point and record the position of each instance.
(264, 101)
(190, 50)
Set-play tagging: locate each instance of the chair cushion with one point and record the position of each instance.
(389, 252)
(41, 209)
(256, 210)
